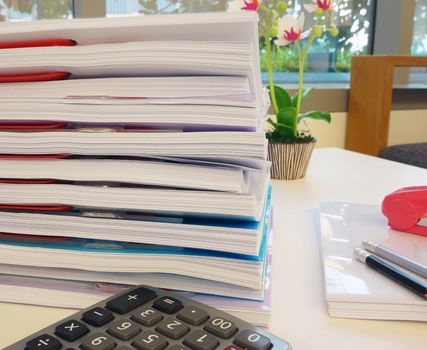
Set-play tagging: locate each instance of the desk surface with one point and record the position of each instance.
(298, 306)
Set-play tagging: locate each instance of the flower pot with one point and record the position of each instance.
(289, 161)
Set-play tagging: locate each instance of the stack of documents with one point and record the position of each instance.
(353, 290)
(78, 289)
(187, 103)
(80, 295)
(132, 151)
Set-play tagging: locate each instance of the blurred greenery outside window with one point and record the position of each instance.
(419, 40)
(418, 75)
(329, 58)
(27, 10)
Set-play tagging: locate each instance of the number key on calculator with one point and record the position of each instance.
(147, 318)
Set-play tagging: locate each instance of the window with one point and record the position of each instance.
(27, 10)
(132, 7)
(419, 39)
(418, 75)
(329, 59)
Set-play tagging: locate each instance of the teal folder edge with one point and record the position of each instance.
(89, 245)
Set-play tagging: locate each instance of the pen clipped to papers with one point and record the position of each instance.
(392, 272)
(396, 258)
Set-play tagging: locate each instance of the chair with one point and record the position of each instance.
(413, 154)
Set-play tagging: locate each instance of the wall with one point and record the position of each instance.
(405, 127)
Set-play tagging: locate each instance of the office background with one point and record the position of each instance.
(366, 27)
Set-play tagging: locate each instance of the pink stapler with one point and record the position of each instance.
(405, 207)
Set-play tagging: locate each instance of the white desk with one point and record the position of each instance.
(299, 313)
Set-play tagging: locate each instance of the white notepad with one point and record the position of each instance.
(352, 289)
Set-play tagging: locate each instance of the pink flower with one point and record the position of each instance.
(248, 5)
(323, 5)
(290, 30)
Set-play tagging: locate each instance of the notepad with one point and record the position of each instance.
(352, 289)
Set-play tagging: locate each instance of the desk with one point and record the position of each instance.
(299, 311)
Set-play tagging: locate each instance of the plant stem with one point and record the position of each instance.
(267, 38)
(270, 73)
(302, 55)
(301, 59)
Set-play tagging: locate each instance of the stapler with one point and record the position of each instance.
(405, 207)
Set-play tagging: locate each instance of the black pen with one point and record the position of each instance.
(391, 272)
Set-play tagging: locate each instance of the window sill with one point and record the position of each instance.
(333, 97)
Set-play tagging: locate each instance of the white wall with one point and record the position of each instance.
(405, 127)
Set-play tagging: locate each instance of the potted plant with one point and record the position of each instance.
(289, 148)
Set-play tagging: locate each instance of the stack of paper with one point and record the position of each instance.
(80, 295)
(145, 164)
(163, 103)
(76, 291)
(353, 290)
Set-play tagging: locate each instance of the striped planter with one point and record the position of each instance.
(289, 161)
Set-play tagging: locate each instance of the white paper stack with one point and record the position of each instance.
(80, 295)
(77, 289)
(146, 165)
(353, 290)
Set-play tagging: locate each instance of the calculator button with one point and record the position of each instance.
(168, 305)
(131, 300)
(44, 342)
(252, 340)
(221, 327)
(71, 330)
(177, 347)
(200, 340)
(123, 348)
(98, 341)
(147, 316)
(98, 316)
(193, 315)
(233, 347)
(123, 329)
(172, 328)
(150, 340)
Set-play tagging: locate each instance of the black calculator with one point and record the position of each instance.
(147, 318)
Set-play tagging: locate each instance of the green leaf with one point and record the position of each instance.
(283, 98)
(272, 122)
(305, 92)
(326, 116)
(287, 118)
(285, 130)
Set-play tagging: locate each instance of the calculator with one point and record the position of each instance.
(148, 318)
